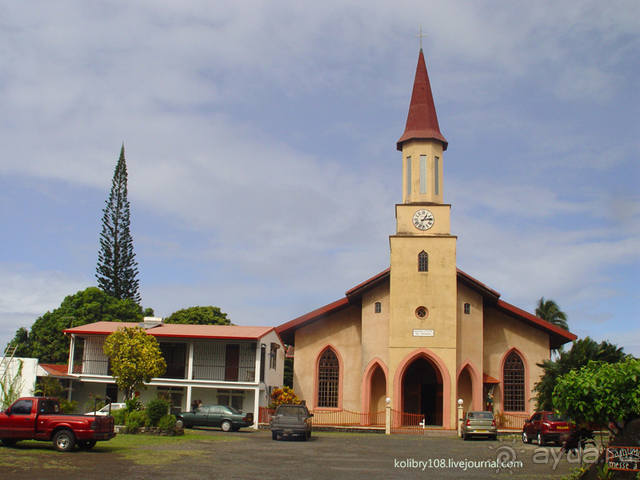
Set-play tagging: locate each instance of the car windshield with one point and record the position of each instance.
(481, 415)
(290, 411)
(554, 417)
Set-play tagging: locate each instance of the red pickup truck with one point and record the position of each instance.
(39, 418)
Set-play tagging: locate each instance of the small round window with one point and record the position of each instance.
(422, 312)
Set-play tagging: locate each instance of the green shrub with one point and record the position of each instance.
(120, 416)
(134, 404)
(168, 422)
(68, 406)
(156, 409)
(137, 419)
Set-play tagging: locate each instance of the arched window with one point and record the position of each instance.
(328, 379)
(423, 261)
(513, 375)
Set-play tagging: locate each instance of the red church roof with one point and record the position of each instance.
(557, 335)
(422, 121)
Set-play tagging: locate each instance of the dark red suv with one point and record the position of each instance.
(546, 427)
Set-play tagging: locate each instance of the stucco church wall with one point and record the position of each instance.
(503, 333)
(470, 342)
(343, 332)
(375, 326)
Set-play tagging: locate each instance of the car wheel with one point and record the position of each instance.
(540, 439)
(179, 423)
(304, 437)
(525, 438)
(87, 444)
(226, 426)
(64, 440)
(274, 435)
(9, 442)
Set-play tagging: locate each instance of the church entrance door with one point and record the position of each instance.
(422, 391)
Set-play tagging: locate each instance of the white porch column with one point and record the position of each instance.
(187, 407)
(256, 407)
(190, 364)
(72, 347)
(258, 350)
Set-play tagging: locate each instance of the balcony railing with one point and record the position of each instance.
(217, 373)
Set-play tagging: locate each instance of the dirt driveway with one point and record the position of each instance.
(249, 454)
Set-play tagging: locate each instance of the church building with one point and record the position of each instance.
(422, 333)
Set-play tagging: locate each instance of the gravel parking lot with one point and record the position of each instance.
(249, 454)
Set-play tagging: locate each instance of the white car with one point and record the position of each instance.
(105, 410)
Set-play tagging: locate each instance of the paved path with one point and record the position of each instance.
(251, 454)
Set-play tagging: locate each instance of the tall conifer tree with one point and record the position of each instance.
(117, 269)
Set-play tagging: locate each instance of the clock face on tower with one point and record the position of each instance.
(423, 219)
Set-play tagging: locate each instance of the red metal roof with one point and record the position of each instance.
(177, 330)
(286, 329)
(489, 379)
(54, 370)
(422, 121)
(371, 282)
(477, 284)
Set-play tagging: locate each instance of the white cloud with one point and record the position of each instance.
(27, 293)
(26, 290)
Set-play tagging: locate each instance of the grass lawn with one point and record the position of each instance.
(139, 449)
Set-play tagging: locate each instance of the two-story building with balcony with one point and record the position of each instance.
(216, 364)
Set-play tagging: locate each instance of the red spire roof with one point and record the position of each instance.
(422, 121)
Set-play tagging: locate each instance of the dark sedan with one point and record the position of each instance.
(223, 416)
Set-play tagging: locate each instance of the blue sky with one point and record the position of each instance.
(260, 142)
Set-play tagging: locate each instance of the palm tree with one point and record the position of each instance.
(548, 310)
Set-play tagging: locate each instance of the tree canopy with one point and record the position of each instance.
(135, 358)
(550, 311)
(46, 341)
(581, 352)
(209, 315)
(117, 270)
(600, 393)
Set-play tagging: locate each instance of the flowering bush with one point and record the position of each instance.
(283, 395)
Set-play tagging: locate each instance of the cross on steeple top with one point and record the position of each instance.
(421, 36)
